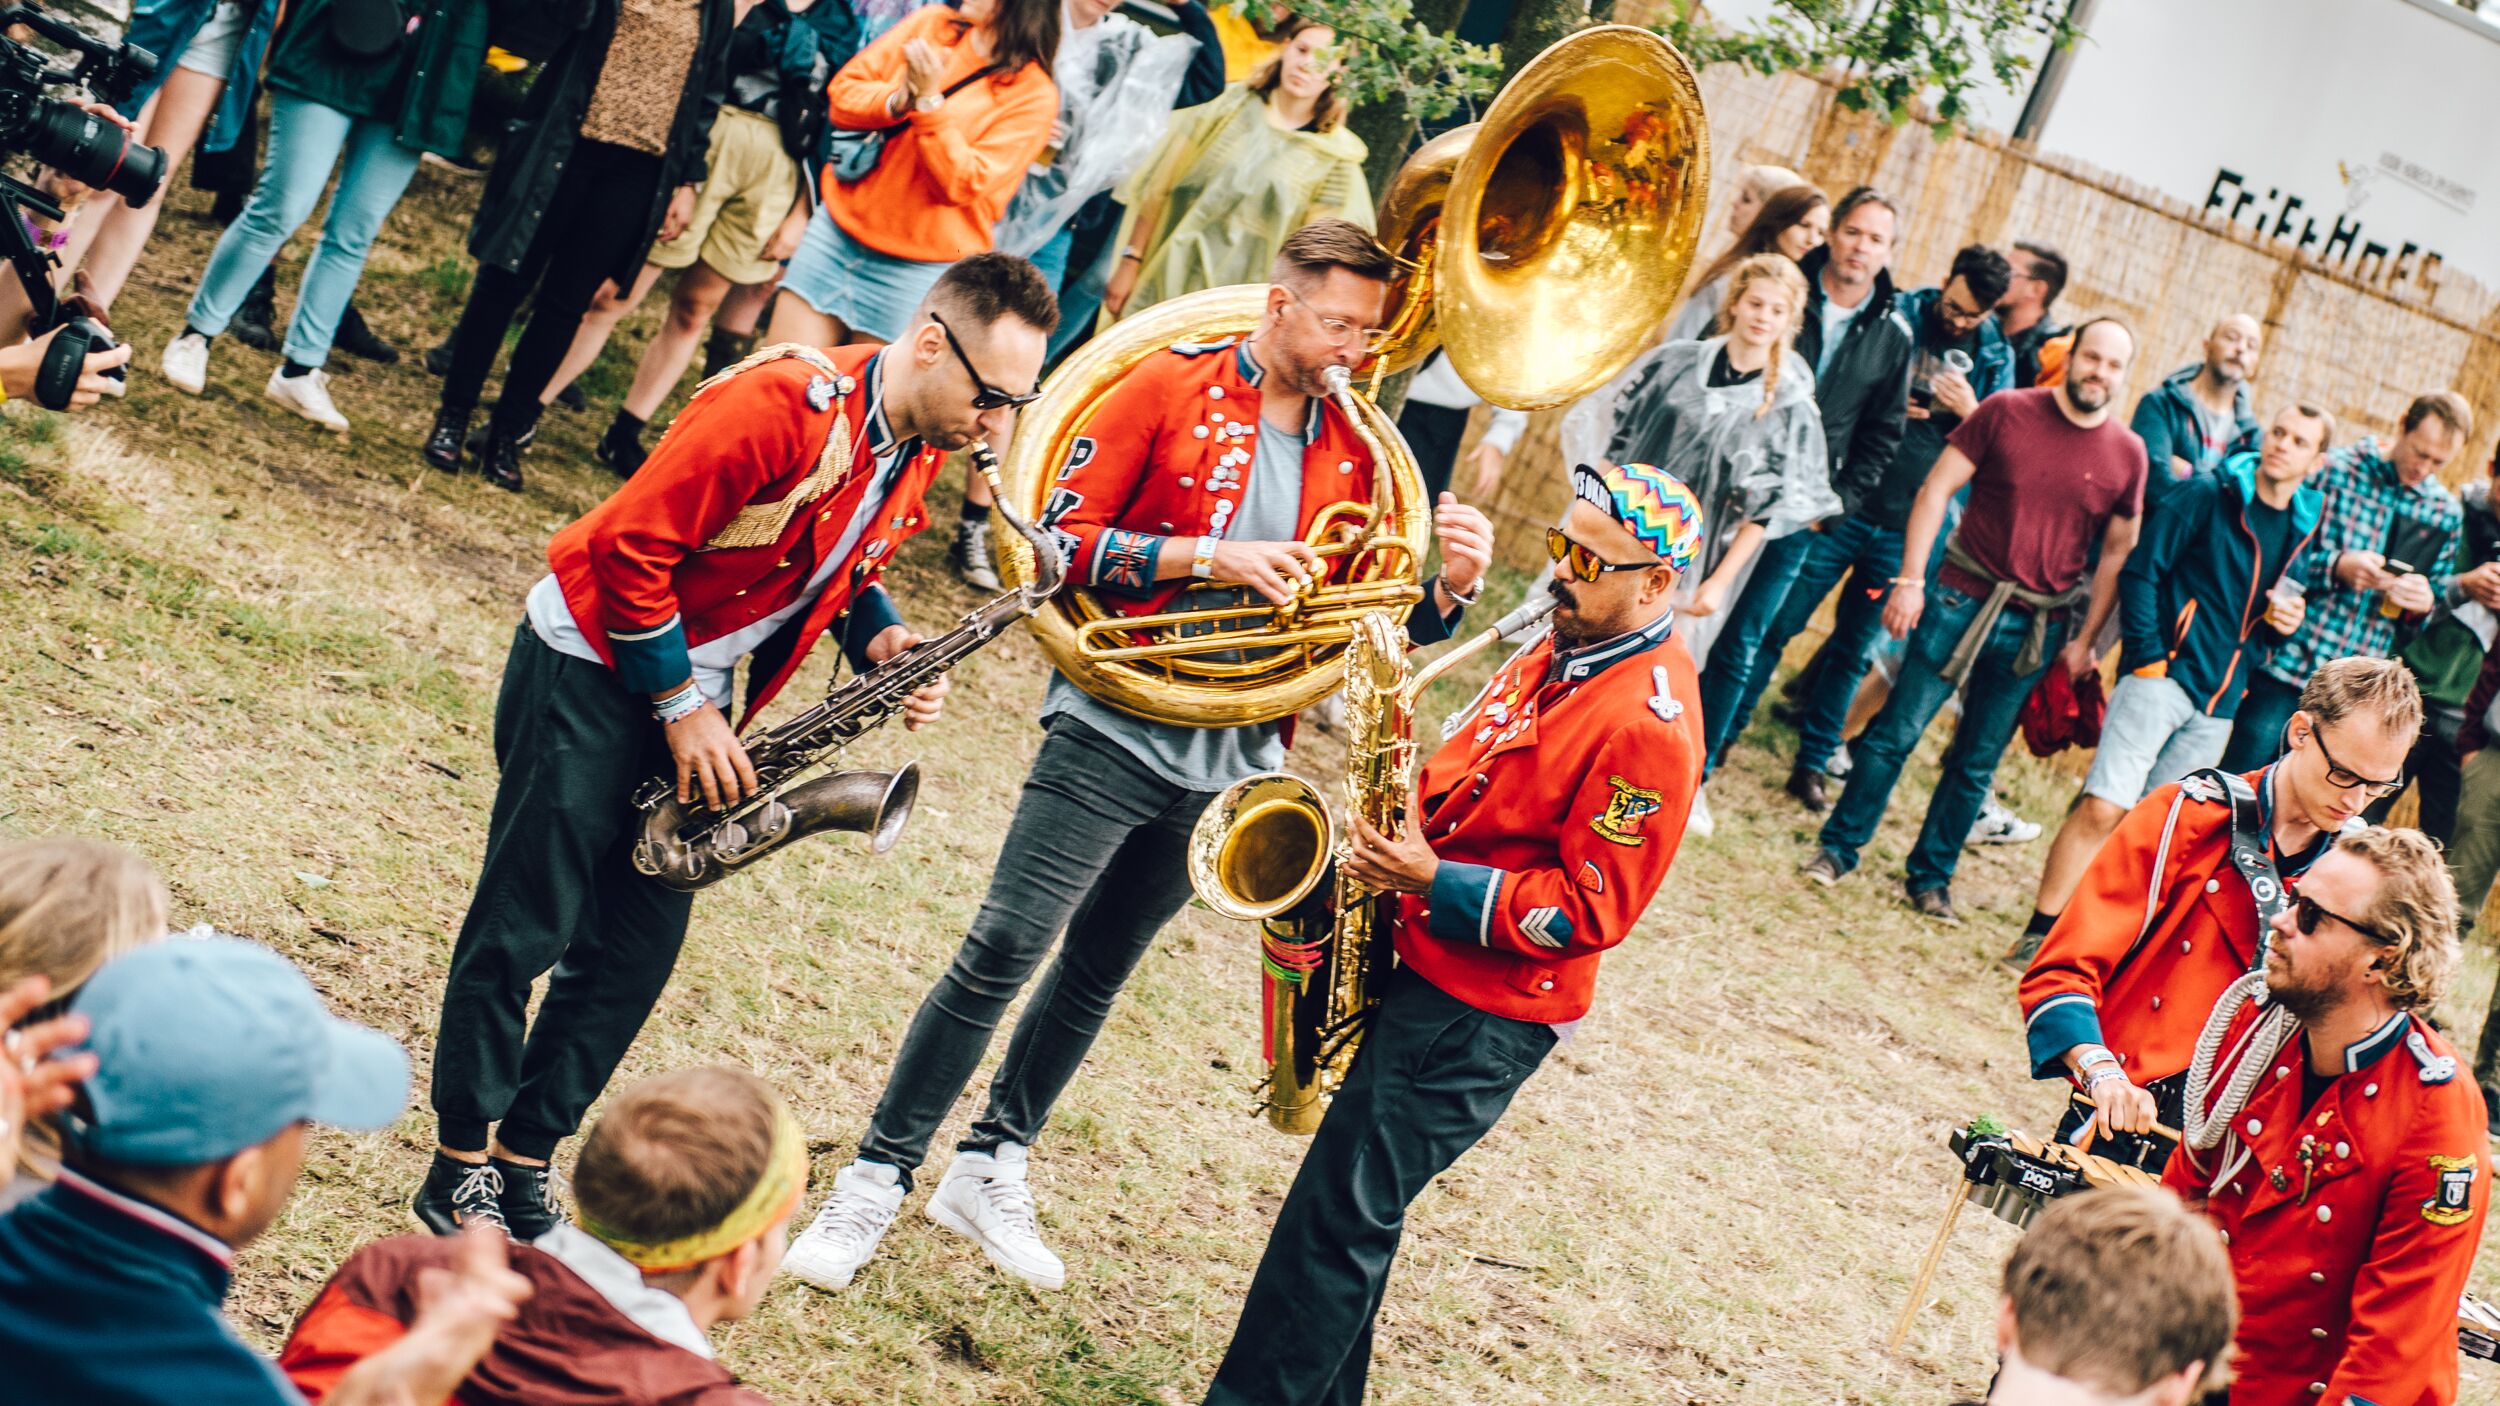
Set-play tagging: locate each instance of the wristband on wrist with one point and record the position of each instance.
(1918, 581)
(678, 706)
(1470, 598)
(1202, 560)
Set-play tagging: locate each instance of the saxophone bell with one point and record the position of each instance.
(693, 849)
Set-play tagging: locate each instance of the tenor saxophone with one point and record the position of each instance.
(1261, 849)
(692, 847)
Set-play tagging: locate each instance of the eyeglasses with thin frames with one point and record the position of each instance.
(1585, 564)
(2344, 778)
(984, 395)
(1337, 328)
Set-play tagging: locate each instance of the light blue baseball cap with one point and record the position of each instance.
(208, 1045)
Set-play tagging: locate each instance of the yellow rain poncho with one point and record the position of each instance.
(1227, 186)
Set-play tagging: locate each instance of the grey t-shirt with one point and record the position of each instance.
(1211, 758)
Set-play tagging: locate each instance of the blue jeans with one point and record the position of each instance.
(305, 142)
(1728, 685)
(2257, 729)
(1052, 257)
(1870, 557)
(1992, 699)
(1080, 295)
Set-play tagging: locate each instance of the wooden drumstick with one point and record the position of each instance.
(2160, 1129)
(1927, 1268)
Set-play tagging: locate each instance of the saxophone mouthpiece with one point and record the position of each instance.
(1531, 613)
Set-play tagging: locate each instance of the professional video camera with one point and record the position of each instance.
(80, 145)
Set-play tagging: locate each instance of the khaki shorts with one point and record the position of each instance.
(749, 190)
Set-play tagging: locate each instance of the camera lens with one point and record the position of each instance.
(92, 151)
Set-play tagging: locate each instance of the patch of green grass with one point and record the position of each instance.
(446, 280)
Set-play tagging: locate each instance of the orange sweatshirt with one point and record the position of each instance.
(944, 177)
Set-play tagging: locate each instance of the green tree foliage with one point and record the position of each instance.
(1396, 61)
(1891, 57)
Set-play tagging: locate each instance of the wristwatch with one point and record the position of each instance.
(928, 102)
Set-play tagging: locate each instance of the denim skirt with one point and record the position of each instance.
(872, 293)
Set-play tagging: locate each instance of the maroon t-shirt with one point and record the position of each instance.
(2043, 491)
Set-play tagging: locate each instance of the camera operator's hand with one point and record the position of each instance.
(21, 364)
(67, 190)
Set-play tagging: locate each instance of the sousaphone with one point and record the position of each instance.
(1539, 247)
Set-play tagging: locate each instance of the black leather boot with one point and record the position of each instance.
(499, 462)
(443, 442)
(355, 338)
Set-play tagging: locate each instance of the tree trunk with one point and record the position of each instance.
(1386, 126)
(1535, 25)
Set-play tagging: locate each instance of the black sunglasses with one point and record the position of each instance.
(984, 395)
(2344, 778)
(2307, 911)
(1585, 564)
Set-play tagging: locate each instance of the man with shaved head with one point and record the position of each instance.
(2198, 417)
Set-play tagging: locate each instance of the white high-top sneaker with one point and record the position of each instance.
(846, 1231)
(984, 1196)
(1697, 822)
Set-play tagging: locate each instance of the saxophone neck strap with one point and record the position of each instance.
(2252, 856)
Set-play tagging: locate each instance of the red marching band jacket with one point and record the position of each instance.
(1166, 454)
(2160, 926)
(2352, 1222)
(730, 517)
(1555, 809)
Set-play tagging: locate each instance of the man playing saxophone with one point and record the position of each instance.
(1539, 833)
(1206, 461)
(759, 525)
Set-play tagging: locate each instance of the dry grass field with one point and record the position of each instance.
(265, 657)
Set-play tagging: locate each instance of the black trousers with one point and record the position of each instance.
(1432, 1077)
(1099, 847)
(559, 890)
(598, 217)
(1433, 432)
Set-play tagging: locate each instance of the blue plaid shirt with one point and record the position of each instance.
(2364, 501)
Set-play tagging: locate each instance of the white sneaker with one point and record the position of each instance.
(186, 363)
(846, 1231)
(307, 395)
(1698, 823)
(984, 1196)
(1998, 826)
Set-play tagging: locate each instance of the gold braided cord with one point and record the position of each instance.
(776, 1195)
(761, 524)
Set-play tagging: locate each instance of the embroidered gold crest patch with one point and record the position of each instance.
(2455, 1199)
(1621, 820)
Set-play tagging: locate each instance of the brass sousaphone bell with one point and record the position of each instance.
(1541, 247)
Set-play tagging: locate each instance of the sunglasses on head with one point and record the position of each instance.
(1585, 564)
(2307, 911)
(984, 395)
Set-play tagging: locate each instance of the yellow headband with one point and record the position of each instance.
(775, 1196)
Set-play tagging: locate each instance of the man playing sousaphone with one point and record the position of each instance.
(1207, 461)
(1539, 833)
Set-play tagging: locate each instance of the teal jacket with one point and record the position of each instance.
(423, 89)
(2190, 597)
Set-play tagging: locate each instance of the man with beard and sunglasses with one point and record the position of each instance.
(2164, 920)
(1540, 831)
(2343, 1153)
(758, 526)
(1209, 461)
(2051, 472)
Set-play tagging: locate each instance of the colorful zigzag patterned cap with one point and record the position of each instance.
(1651, 503)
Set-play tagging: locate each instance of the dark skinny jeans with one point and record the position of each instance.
(1098, 848)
